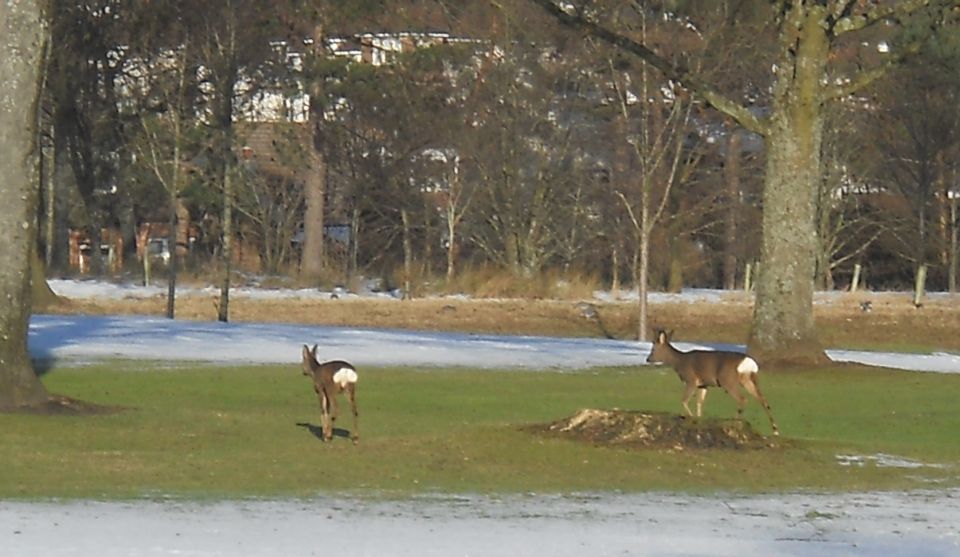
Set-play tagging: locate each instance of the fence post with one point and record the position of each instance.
(920, 284)
(855, 281)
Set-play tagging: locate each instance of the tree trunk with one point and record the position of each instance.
(731, 174)
(172, 246)
(615, 270)
(313, 257)
(173, 234)
(59, 259)
(783, 327)
(42, 297)
(226, 243)
(407, 255)
(643, 280)
(952, 268)
(353, 260)
(23, 30)
(451, 244)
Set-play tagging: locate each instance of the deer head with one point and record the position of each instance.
(661, 350)
(309, 360)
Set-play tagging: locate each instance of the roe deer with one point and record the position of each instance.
(329, 380)
(700, 369)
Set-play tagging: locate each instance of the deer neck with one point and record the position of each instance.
(673, 355)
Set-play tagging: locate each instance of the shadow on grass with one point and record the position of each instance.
(317, 431)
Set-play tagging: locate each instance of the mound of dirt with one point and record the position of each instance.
(637, 429)
(57, 405)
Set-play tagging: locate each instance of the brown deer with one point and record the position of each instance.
(330, 379)
(701, 369)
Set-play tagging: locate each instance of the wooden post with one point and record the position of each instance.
(146, 263)
(855, 281)
(747, 277)
(920, 284)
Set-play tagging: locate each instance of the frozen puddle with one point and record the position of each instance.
(905, 524)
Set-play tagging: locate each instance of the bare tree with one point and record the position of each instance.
(658, 149)
(162, 150)
(271, 190)
(803, 80)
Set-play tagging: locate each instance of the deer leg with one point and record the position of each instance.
(687, 393)
(749, 382)
(701, 396)
(737, 397)
(336, 406)
(325, 423)
(352, 394)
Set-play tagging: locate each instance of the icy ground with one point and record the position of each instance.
(83, 338)
(869, 524)
(910, 524)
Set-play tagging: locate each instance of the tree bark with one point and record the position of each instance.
(23, 29)
(407, 255)
(731, 174)
(226, 244)
(783, 327)
(952, 266)
(313, 257)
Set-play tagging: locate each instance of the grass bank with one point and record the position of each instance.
(213, 432)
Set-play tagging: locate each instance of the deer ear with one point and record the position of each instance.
(669, 335)
(314, 350)
(306, 352)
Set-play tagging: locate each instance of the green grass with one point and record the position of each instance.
(212, 432)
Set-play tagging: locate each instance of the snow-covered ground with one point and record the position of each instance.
(72, 338)
(596, 525)
(908, 524)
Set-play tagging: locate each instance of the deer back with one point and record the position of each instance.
(703, 367)
(327, 374)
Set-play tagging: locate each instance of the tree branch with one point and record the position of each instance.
(575, 20)
(866, 77)
(848, 22)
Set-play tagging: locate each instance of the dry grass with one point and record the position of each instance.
(892, 323)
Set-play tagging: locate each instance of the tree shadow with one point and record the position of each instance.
(317, 431)
(43, 366)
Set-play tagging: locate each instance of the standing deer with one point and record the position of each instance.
(329, 380)
(701, 369)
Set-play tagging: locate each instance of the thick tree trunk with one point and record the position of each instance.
(783, 328)
(22, 29)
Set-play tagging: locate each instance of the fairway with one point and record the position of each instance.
(218, 432)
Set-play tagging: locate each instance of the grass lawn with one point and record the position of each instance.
(213, 432)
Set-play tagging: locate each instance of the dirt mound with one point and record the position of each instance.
(57, 405)
(637, 429)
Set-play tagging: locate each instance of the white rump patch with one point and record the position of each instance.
(344, 376)
(748, 365)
